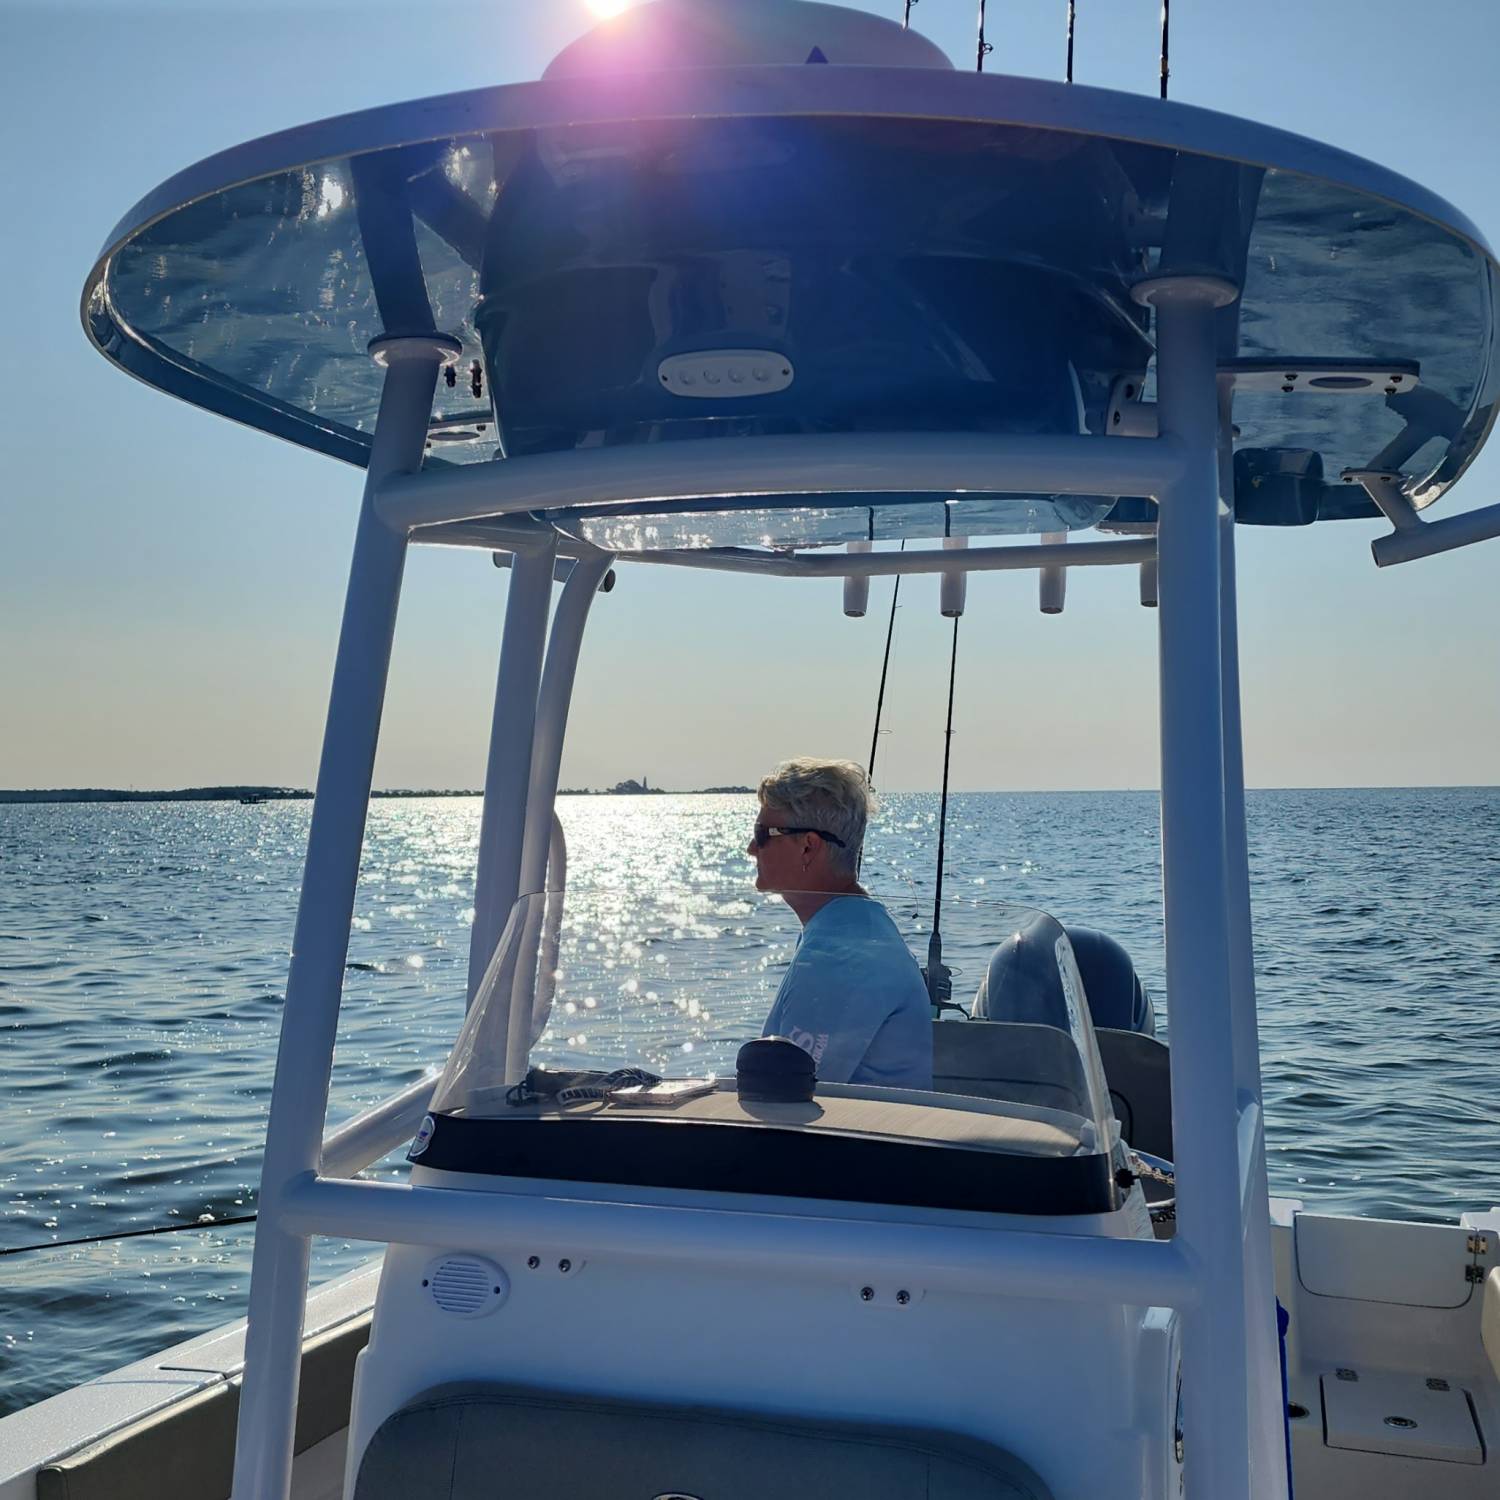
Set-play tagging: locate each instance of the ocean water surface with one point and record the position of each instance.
(143, 955)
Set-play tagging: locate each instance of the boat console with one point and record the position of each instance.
(733, 285)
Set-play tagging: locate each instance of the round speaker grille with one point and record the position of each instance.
(467, 1286)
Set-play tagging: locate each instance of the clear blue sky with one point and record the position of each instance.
(170, 584)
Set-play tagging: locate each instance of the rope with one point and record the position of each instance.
(127, 1234)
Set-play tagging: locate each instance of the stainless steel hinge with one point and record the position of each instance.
(1479, 1244)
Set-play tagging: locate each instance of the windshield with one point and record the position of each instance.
(556, 1002)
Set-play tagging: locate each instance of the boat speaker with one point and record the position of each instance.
(466, 1286)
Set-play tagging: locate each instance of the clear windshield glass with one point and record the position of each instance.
(557, 1008)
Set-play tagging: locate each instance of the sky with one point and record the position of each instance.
(171, 584)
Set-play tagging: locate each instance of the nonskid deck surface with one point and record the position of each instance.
(1383, 1314)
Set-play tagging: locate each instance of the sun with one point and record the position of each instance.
(607, 9)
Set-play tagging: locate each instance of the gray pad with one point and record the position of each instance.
(502, 1442)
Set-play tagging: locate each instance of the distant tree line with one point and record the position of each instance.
(293, 794)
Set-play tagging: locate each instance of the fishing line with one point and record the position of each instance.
(885, 667)
(127, 1234)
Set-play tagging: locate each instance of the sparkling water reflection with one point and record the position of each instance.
(143, 953)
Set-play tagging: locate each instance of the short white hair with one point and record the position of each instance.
(831, 795)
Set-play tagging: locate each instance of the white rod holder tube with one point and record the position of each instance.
(1149, 590)
(553, 701)
(927, 463)
(299, 1096)
(953, 591)
(502, 829)
(1007, 1262)
(1194, 858)
(857, 586)
(1052, 582)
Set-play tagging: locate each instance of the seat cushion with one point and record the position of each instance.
(503, 1442)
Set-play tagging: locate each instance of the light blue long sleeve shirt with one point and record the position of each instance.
(854, 998)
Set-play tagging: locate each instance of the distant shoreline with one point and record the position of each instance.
(258, 794)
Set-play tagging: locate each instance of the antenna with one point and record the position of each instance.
(1166, 22)
(906, 18)
(1072, 18)
(984, 46)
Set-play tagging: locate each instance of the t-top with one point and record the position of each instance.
(855, 999)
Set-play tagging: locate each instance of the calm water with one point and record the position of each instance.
(143, 953)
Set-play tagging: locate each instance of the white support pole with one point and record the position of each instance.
(1268, 1437)
(939, 464)
(299, 1096)
(502, 827)
(1008, 1262)
(352, 1146)
(553, 701)
(1210, 1226)
(1432, 537)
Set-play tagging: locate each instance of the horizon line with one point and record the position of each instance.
(18, 796)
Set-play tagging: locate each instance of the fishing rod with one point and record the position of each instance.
(984, 47)
(937, 974)
(1166, 24)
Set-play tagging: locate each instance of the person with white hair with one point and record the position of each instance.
(853, 996)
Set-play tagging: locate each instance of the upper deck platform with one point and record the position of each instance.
(911, 249)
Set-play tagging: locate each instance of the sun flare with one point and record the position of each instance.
(606, 10)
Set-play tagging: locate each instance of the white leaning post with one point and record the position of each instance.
(1205, 1114)
(304, 1059)
(502, 827)
(1268, 1435)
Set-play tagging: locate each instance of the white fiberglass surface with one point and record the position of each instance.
(556, 999)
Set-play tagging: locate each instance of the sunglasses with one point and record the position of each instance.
(764, 835)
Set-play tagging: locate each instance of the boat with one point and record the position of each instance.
(760, 289)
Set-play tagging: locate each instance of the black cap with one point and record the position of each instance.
(775, 1070)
